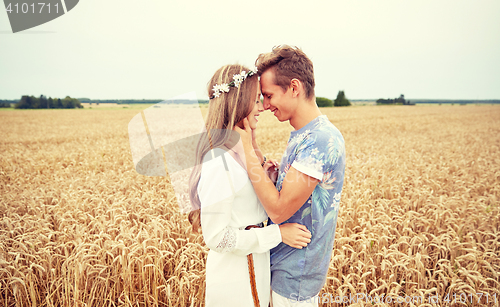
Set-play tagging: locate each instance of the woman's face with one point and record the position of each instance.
(256, 109)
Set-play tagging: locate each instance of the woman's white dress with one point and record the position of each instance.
(228, 205)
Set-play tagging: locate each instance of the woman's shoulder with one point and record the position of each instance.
(213, 155)
(219, 163)
(220, 171)
(218, 160)
(218, 156)
(212, 169)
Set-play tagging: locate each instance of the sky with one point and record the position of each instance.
(159, 49)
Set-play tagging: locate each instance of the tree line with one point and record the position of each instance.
(120, 101)
(5, 103)
(400, 100)
(340, 101)
(42, 102)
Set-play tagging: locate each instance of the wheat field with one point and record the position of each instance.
(419, 217)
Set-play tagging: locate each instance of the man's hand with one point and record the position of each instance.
(246, 134)
(254, 137)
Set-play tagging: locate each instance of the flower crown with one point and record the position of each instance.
(237, 80)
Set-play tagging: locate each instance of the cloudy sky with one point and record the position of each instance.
(158, 49)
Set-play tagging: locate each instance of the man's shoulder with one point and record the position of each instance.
(324, 128)
(326, 134)
(328, 125)
(329, 143)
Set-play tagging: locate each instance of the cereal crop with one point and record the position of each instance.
(419, 217)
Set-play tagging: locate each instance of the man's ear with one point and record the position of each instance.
(296, 86)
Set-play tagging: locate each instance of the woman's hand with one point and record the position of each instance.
(295, 235)
(271, 169)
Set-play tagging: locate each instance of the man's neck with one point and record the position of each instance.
(305, 113)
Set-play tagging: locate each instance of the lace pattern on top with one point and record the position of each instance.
(228, 241)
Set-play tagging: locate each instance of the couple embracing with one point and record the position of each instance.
(270, 228)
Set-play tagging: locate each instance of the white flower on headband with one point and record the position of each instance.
(219, 88)
(254, 70)
(237, 80)
(224, 87)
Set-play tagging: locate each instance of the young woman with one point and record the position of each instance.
(224, 202)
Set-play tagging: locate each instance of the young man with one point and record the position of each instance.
(310, 178)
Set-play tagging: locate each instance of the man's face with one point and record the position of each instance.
(275, 99)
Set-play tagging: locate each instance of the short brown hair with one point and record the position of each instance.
(288, 63)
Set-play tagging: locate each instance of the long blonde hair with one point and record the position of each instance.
(224, 112)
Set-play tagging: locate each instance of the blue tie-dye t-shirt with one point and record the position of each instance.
(317, 150)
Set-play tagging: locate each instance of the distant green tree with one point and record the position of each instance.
(43, 101)
(341, 100)
(324, 102)
(35, 102)
(68, 103)
(24, 103)
(78, 104)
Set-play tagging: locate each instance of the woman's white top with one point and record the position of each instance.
(228, 205)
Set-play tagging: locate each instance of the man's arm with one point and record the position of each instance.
(296, 188)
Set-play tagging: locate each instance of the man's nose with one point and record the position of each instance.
(266, 104)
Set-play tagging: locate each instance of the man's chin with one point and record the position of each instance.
(280, 119)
